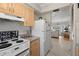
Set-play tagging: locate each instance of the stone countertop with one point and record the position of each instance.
(33, 38)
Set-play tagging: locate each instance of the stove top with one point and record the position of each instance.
(19, 41)
(5, 45)
(14, 39)
(4, 42)
(8, 43)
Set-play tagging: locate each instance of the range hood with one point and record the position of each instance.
(10, 17)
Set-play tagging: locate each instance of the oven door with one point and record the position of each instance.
(24, 53)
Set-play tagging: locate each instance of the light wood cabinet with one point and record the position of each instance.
(12, 8)
(17, 9)
(26, 12)
(77, 51)
(29, 17)
(20, 10)
(5, 7)
(35, 48)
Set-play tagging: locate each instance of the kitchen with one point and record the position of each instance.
(27, 29)
(15, 25)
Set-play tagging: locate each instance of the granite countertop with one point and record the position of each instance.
(33, 38)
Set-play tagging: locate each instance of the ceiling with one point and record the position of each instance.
(62, 16)
(42, 5)
(45, 7)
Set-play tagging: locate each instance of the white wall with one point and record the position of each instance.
(46, 16)
(63, 17)
(54, 6)
(76, 26)
(61, 20)
(37, 16)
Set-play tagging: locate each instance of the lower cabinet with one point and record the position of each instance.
(77, 51)
(35, 48)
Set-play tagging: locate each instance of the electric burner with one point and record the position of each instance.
(4, 42)
(5, 45)
(15, 39)
(19, 41)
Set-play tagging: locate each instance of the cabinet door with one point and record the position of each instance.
(77, 51)
(25, 12)
(35, 48)
(29, 17)
(4, 7)
(30, 21)
(18, 9)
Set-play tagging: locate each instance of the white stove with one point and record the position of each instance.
(18, 46)
(16, 49)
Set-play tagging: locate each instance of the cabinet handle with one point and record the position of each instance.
(16, 48)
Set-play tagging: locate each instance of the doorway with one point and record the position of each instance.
(61, 32)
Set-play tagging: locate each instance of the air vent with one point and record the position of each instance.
(55, 10)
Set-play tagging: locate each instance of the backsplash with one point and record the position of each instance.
(6, 25)
(8, 35)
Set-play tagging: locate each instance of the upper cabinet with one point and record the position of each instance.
(17, 9)
(29, 17)
(4, 7)
(20, 10)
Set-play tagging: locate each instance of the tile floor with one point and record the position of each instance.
(61, 47)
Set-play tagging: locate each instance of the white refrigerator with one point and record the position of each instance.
(42, 29)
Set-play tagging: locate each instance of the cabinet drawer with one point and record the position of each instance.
(35, 48)
(77, 51)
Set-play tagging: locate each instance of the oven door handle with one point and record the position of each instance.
(16, 48)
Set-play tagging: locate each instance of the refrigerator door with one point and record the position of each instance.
(39, 25)
(42, 30)
(47, 42)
